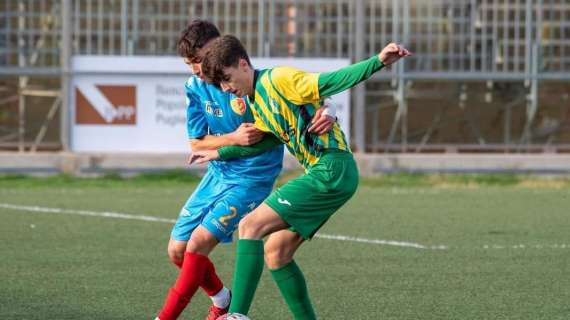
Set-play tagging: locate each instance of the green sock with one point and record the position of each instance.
(291, 283)
(249, 265)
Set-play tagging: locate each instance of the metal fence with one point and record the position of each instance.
(508, 54)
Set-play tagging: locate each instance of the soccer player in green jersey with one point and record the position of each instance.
(283, 101)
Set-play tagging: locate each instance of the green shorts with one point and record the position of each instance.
(308, 201)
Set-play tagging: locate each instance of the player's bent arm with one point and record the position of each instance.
(208, 142)
(331, 83)
(231, 152)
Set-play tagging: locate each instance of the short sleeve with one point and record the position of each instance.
(196, 123)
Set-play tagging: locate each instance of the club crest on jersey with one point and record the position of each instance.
(213, 110)
(238, 106)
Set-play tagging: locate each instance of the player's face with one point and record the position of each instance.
(238, 80)
(195, 63)
(195, 67)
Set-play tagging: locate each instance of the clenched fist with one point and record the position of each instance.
(392, 53)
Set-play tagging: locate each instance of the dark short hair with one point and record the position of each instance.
(225, 51)
(195, 36)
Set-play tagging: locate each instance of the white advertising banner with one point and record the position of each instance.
(137, 104)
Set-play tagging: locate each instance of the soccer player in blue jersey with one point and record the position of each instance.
(229, 189)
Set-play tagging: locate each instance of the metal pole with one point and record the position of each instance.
(532, 100)
(65, 58)
(473, 52)
(260, 27)
(401, 81)
(339, 25)
(360, 90)
(402, 105)
(22, 81)
(124, 22)
(395, 35)
(507, 126)
(249, 26)
(271, 39)
(528, 41)
(135, 25)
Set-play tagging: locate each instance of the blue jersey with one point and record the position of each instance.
(214, 112)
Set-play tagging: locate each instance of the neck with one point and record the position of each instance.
(252, 77)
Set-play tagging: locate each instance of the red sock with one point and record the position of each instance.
(211, 283)
(179, 263)
(191, 275)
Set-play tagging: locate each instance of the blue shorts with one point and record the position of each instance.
(218, 207)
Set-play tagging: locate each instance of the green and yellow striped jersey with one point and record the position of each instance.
(285, 102)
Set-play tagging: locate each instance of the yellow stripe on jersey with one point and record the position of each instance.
(311, 159)
(283, 109)
(259, 124)
(298, 86)
(325, 138)
(339, 137)
(288, 115)
(266, 112)
(291, 116)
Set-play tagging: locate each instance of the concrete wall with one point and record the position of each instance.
(369, 164)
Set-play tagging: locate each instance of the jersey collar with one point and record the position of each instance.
(255, 77)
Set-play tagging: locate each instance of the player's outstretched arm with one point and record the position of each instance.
(231, 152)
(246, 134)
(331, 83)
(209, 142)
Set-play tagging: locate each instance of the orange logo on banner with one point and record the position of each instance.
(106, 104)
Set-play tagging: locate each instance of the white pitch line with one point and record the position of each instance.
(117, 215)
(104, 214)
(381, 242)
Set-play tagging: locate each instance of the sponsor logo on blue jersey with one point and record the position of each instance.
(218, 225)
(212, 108)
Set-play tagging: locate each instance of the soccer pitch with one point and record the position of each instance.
(403, 248)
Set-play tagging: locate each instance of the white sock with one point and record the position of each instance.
(222, 298)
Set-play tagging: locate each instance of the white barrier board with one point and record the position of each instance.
(137, 104)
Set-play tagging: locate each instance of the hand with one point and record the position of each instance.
(246, 135)
(322, 123)
(392, 53)
(203, 156)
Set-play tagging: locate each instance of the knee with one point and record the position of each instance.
(201, 242)
(197, 246)
(176, 255)
(249, 228)
(276, 256)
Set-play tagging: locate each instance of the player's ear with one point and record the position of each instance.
(243, 64)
